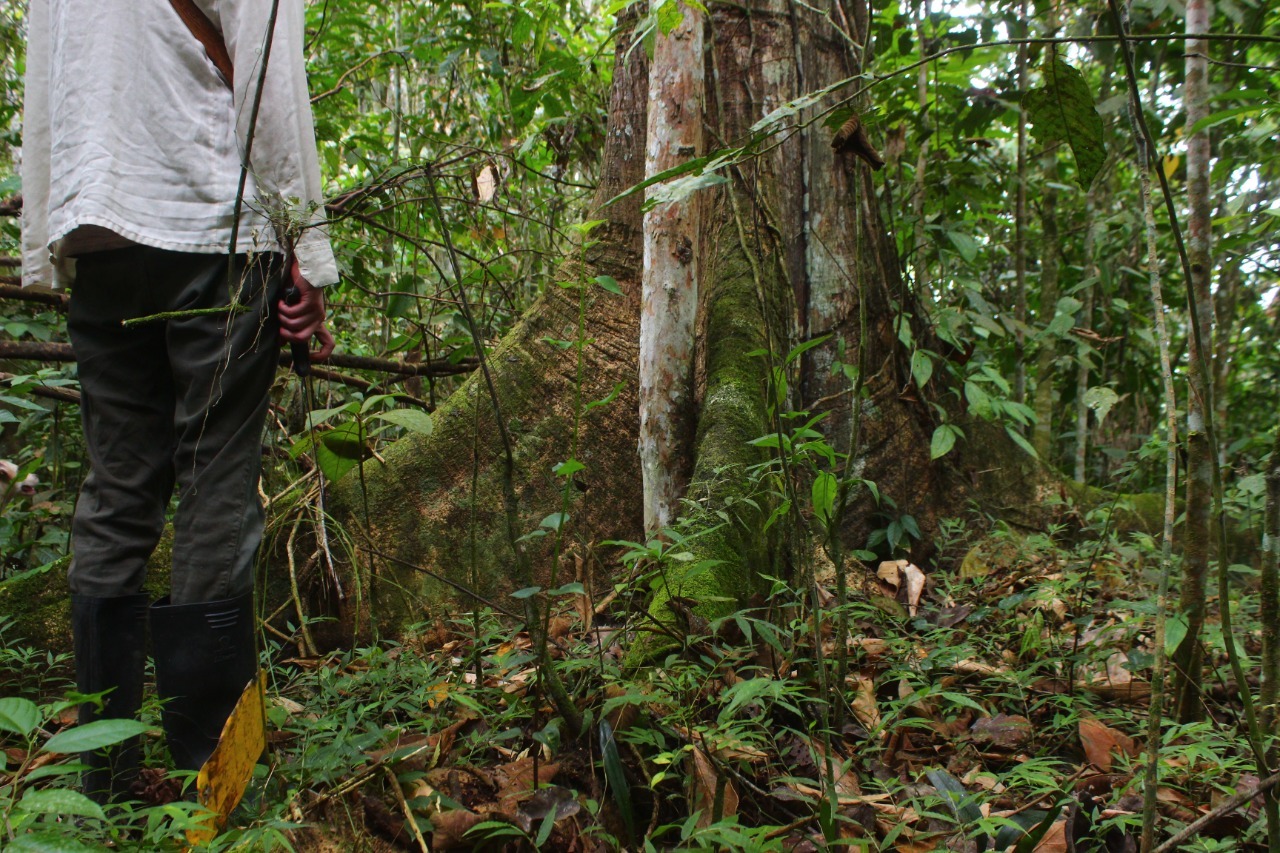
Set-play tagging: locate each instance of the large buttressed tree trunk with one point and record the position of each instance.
(792, 248)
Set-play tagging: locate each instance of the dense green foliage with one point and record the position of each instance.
(460, 143)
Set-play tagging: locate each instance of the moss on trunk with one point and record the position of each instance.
(726, 507)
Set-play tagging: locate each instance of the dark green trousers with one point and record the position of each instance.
(179, 402)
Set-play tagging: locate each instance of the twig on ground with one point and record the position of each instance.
(408, 812)
(1192, 829)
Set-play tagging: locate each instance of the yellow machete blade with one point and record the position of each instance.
(226, 774)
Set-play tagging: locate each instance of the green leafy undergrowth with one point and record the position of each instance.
(1009, 706)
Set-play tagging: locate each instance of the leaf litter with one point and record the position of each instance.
(1000, 711)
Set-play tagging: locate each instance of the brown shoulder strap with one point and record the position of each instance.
(207, 34)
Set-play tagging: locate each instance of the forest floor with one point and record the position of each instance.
(999, 706)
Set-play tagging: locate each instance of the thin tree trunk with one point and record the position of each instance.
(921, 266)
(669, 294)
(1225, 300)
(1097, 197)
(1188, 659)
(1042, 435)
(1156, 715)
(1086, 319)
(1269, 693)
(1080, 469)
(1020, 225)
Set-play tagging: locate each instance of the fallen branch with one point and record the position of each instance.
(10, 288)
(437, 367)
(366, 385)
(36, 351)
(49, 392)
(1227, 806)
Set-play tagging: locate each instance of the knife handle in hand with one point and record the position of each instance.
(300, 350)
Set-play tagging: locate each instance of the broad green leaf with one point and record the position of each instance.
(825, 488)
(1175, 630)
(56, 769)
(921, 368)
(965, 245)
(48, 842)
(414, 420)
(20, 716)
(609, 283)
(60, 801)
(684, 168)
(979, 400)
(554, 521)
(1225, 115)
(93, 736)
(1063, 111)
(800, 349)
(332, 466)
(567, 468)
(1021, 442)
(402, 300)
(616, 776)
(944, 438)
(605, 400)
(373, 401)
(1064, 317)
(961, 801)
(544, 831)
(681, 188)
(669, 16)
(347, 441)
(1101, 399)
(1034, 836)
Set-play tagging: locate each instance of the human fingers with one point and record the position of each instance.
(325, 337)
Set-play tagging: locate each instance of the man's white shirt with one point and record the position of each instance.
(130, 135)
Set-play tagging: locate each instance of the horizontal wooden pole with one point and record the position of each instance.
(11, 289)
(37, 351)
(49, 392)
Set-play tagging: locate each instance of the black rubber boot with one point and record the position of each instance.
(110, 650)
(205, 657)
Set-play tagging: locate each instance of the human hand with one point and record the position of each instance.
(305, 318)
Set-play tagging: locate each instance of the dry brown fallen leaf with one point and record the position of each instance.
(870, 646)
(705, 783)
(890, 571)
(450, 829)
(1055, 840)
(515, 780)
(915, 587)
(425, 749)
(1003, 731)
(864, 702)
(486, 183)
(1101, 742)
(906, 579)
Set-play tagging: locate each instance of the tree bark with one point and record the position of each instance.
(1042, 433)
(1187, 658)
(669, 290)
(791, 248)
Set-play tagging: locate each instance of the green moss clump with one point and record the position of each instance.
(38, 602)
(730, 550)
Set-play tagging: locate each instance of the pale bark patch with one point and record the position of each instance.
(669, 285)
